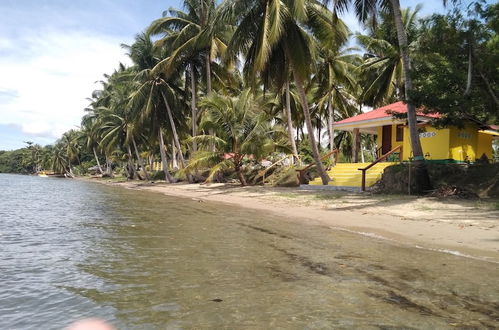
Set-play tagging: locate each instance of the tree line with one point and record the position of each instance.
(223, 85)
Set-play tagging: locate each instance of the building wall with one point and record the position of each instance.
(460, 145)
(435, 143)
(484, 145)
(463, 143)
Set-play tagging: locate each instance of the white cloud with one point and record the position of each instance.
(49, 74)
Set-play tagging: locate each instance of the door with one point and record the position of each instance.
(386, 139)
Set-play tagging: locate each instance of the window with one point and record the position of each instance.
(400, 133)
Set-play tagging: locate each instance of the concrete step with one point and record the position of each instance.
(348, 174)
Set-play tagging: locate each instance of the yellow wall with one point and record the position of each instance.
(435, 143)
(484, 145)
(448, 143)
(463, 143)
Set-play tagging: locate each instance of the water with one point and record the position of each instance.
(71, 249)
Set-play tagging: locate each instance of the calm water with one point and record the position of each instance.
(70, 250)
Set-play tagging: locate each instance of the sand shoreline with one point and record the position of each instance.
(465, 228)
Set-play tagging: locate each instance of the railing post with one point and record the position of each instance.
(363, 180)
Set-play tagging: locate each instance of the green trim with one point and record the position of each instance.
(444, 161)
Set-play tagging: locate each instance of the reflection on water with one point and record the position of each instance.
(71, 249)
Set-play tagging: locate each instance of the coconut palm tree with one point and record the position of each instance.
(336, 84)
(154, 93)
(194, 39)
(59, 160)
(242, 129)
(89, 134)
(271, 34)
(368, 8)
(382, 73)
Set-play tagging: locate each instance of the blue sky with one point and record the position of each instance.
(53, 51)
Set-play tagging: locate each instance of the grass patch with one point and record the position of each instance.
(288, 195)
(115, 179)
(424, 208)
(328, 197)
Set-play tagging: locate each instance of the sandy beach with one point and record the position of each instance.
(463, 227)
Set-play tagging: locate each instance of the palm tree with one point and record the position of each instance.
(89, 133)
(153, 95)
(59, 159)
(363, 10)
(155, 92)
(336, 84)
(242, 129)
(272, 32)
(382, 72)
(69, 142)
(194, 40)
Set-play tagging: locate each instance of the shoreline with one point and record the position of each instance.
(457, 227)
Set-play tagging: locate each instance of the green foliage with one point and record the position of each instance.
(242, 130)
(187, 93)
(453, 49)
(286, 177)
(12, 161)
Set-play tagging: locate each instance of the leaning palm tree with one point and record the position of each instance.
(193, 40)
(154, 92)
(242, 130)
(89, 134)
(274, 36)
(59, 160)
(368, 8)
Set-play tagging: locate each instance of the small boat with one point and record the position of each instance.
(42, 175)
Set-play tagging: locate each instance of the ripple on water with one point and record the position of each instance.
(71, 249)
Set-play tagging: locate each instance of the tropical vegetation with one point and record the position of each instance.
(215, 88)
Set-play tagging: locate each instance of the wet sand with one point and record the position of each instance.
(461, 227)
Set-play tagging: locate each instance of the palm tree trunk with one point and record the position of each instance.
(489, 88)
(162, 152)
(290, 123)
(470, 72)
(240, 174)
(422, 179)
(139, 159)
(208, 74)
(132, 175)
(97, 159)
(194, 114)
(174, 155)
(208, 92)
(109, 168)
(175, 136)
(306, 113)
(330, 122)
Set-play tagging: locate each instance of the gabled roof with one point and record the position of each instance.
(384, 112)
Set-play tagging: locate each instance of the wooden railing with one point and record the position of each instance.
(384, 157)
(379, 152)
(301, 172)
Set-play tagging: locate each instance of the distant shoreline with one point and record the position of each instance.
(458, 227)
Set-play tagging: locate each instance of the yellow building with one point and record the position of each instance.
(445, 145)
(451, 144)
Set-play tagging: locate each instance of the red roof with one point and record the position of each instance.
(384, 112)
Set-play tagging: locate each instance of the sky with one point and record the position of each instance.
(53, 53)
